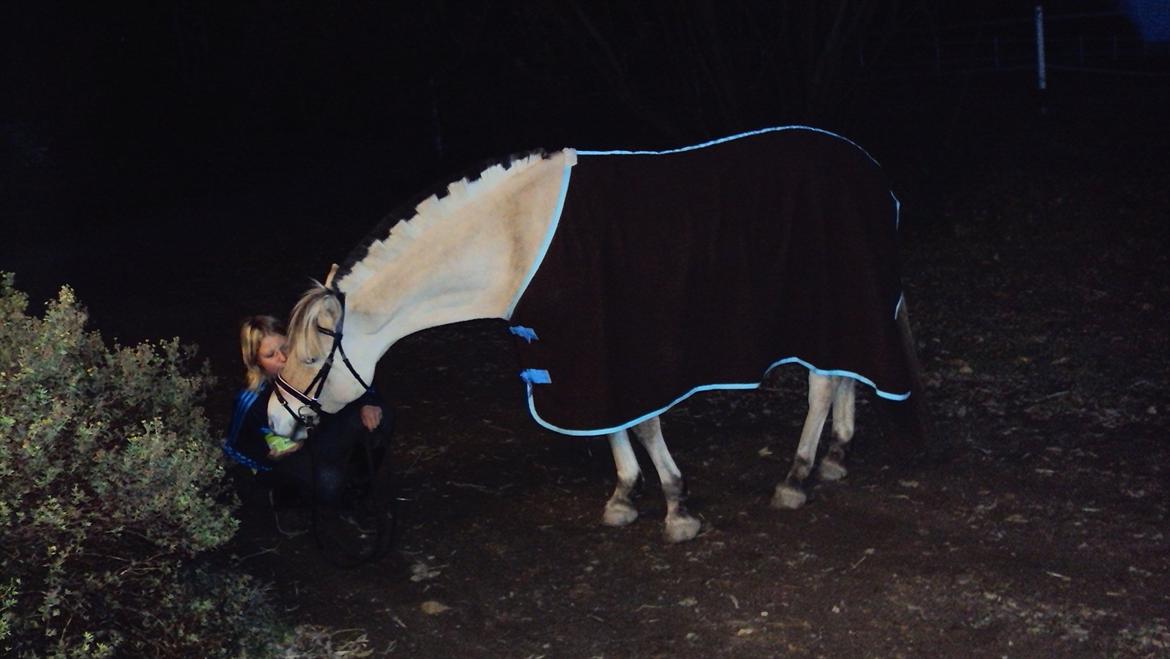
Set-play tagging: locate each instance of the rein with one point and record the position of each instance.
(309, 398)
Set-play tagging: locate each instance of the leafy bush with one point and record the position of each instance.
(111, 492)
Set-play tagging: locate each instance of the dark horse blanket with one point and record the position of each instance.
(705, 267)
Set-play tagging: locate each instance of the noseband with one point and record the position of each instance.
(308, 398)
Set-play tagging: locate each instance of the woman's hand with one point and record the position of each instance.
(371, 416)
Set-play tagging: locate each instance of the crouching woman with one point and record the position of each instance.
(292, 470)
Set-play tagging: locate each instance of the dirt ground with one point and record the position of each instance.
(1037, 277)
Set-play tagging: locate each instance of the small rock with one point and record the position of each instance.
(432, 608)
(422, 572)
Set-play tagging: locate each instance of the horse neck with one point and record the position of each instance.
(463, 257)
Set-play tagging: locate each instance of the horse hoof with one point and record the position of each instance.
(681, 529)
(619, 513)
(830, 470)
(788, 497)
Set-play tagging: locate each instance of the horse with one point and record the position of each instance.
(632, 280)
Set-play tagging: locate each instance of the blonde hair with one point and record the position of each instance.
(252, 332)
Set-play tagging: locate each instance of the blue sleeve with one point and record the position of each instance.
(240, 424)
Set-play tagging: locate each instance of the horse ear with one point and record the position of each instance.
(329, 277)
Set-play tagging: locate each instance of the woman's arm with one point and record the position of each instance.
(243, 422)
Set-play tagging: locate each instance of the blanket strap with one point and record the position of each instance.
(535, 376)
(526, 333)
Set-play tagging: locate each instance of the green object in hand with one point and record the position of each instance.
(279, 443)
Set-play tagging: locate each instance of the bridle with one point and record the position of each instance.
(308, 398)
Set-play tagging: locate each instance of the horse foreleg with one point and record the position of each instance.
(680, 525)
(832, 467)
(790, 494)
(620, 510)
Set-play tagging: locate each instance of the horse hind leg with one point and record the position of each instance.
(680, 525)
(832, 467)
(620, 510)
(790, 494)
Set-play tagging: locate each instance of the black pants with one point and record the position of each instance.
(318, 472)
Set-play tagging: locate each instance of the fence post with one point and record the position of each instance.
(1041, 72)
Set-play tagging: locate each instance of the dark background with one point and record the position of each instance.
(152, 151)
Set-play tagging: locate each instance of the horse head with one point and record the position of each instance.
(309, 385)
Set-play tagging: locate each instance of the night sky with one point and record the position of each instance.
(153, 146)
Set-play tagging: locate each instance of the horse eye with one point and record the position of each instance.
(309, 361)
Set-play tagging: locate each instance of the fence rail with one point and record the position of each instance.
(1062, 42)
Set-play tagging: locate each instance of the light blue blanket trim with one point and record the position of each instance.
(729, 138)
(553, 222)
(707, 387)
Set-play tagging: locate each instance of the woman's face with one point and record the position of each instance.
(270, 357)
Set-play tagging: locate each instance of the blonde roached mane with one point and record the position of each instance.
(318, 306)
(390, 239)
